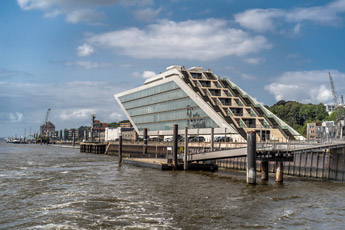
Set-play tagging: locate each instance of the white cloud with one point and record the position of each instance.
(147, 14)
(145, 74)
(253, 61)
(259, 20)
(89, 64)
(79, 114)
(248, 76)
(75, 10)
(52, 14)
(306, 86)
(15, 117)
(72, 104)
(85, 50)
(297, 28)
(84, 15)
(262, 20)
(12, 117)
(193, 39)
(116, 116)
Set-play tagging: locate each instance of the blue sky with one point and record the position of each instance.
(73, 55)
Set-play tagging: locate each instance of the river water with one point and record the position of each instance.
(47, 187)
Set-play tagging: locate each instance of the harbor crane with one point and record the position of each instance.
(46, 122)
(340, 119)
(45, 128)
(334, 94)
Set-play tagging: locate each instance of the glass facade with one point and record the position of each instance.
(162, 106)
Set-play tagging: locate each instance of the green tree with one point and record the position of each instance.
(113, 125)
(339, 112)
(297, 115)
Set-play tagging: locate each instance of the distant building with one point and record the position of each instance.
(311, 130)
(324, 130)
(129, 135)
(329, 108)
(200, 100)
(83, 132)
(65, 134)
(112, 134)
(99, 126)
(72, 132)
(125, 125)
(47, 128)
(328, 129)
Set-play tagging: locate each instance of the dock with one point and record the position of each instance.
(163, 164)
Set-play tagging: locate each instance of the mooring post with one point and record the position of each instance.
(212, 139)
(185, 163)
(251, 158)
(120, 149)
(73, 139)
(279, 170)
(174, 149)
(264, 170)
(145, 141)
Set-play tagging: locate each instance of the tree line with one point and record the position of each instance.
(297, 115)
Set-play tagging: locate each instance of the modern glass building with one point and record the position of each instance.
(199, 100)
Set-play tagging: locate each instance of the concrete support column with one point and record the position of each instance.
(279, 171)
(185, 162)
(264, 170)
(212, 139)
(251, 158)
(174, 147)
(120, 149)
(145, 141)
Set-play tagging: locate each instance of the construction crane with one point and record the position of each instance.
(340, 114)
(45, 130)
(46, 122)
(334, 94)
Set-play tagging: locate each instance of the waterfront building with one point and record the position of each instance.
(72, 132)
(199, 100)
(325, 130)
(99, 126)
(312, 129)
(65, 134)
(125, 125)
(112, 134)
(47, 128)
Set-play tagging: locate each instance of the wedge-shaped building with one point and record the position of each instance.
(200, 100)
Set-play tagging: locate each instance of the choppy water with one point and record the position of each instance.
(46, 187)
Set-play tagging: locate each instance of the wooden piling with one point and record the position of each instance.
(279, 171)
(185, 163)
(264, 170)
(120, 149)
(174, 147)
(145, 141)
(251, 158)
(212, 139)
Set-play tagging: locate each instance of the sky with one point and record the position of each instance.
(73, 55)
